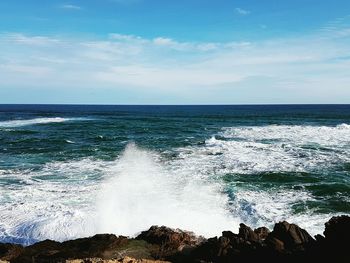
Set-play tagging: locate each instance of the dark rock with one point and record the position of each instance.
(338, 230)
(9, 251)
(224, 246)
(291, 235)
(247, 234)
(335, 246)
(286, 243)
(319, 238)
(262, 233)
(275, 244)
(102, 246)
(171, 242)
(174, 238)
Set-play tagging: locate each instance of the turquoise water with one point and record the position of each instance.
(72, 171)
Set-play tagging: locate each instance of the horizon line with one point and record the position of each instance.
(218, 104)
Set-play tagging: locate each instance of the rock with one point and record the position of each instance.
(171, 242)
(319, 238)
(9, 251)
(286, 243)
(104, 246)
(275, 244)
(262, 233)
(291, 235)
(247, 234)
(335, 246)
(338, 230)
(166, 236)
(224, 246)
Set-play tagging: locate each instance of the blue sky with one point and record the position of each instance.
(175, 52)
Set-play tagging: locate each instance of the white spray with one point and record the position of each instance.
(141, 193)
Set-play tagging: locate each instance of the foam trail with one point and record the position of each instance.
(20, 123)
(142, 193)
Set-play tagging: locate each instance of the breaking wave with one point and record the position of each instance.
(65, 200)
(35, 121)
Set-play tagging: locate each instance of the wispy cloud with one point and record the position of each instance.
(242, 11)
(30, 40)
(313, 67)
(70, 7)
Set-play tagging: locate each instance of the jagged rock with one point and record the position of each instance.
(262, 233)
(247, 234)
(166, 236)
(8, 251)
(170, 241)
(338, 230)
(276, 244)
(319, 238)
(291, 235)
(286, 243)
(224, 246)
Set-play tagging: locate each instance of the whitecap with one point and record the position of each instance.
(35, 121)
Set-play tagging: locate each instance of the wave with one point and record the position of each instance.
(20, 123)
(246, 150)
(143, 192)
(141, 188)
(298, 134)
(134, 192)
(55, 202)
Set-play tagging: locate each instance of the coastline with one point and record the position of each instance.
(285, 243)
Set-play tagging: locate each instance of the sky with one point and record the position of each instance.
(175, 52)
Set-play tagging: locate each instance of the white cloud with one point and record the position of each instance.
(316, 65)
(31, 40)
(242, 11)
(165, 78)
(122, 37)
(163, 41)
(70, 7)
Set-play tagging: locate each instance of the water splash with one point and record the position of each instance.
(142, 193)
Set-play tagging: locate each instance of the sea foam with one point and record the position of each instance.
(35, 121)
(142, 192)
(142, 188)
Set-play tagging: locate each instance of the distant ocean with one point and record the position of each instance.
(73, 171)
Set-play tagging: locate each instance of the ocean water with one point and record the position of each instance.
(73, 171)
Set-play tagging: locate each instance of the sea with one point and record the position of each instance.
(70, 171)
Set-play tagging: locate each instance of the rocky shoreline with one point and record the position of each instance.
(285, 243)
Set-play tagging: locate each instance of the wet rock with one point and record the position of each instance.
(247, 234)
(171, 242)
(9, 251)
(174, 238)
(291, 235)
(275, 244)
(224, 246)
(335, 246)
(286, 243)
(262, 233)
(338, 230)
